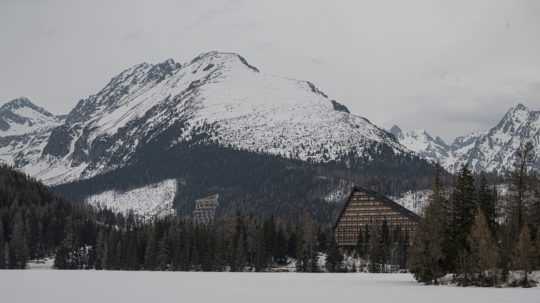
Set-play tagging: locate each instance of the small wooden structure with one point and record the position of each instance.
(365, 208)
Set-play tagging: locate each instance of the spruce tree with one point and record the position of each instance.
(292, 245)
(150, 255)
(376, 250)
(483, 250)
(523, 256)
(101, 251)
(486, 202)
(261, 257)
(427, 257)
(360, 248)
(520, 183)
(463, 206)
(163, 255)
(2, 244)
(537, 246)
(19, 244)
(334, 258)
(280, 252)
(534, 214)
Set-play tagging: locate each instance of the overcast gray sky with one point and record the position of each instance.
(447, 66)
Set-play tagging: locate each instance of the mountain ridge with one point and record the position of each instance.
(492, 151)
(216, 97)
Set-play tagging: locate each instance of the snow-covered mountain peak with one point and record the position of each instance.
(20, 116)
(422, 143)
(491, 151)
(208, 59)
(217, 96)
(517, 115)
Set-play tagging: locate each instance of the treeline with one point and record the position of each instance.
(383, 248)
(477, 236)
(35, 224)
(256, 183)
(32, 220)
(240, 243)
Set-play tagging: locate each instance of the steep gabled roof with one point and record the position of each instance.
(379, 197)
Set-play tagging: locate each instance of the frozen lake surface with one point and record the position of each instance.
(153, 287)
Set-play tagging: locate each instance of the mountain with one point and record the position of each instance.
(492, 151)
(495, 151)
(422, 143)
(216, 95)
(24, 131)
(20, 116)
(217, 124)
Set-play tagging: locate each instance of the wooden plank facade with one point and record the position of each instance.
(368, 208)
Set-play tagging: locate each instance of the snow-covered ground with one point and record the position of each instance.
(153, 200)
(144, 287)
(415, 201)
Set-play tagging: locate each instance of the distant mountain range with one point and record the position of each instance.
(217, 124)
(491, 151)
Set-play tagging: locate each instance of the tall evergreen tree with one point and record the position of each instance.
(486, 202)
(427, 254)
(537, 246)
(334, 258)
(463, 206)
(520, 183)
(523, 256)
(19, 244)
(2, 245)
(150, 255)
(376, 250)
(280, 251)
(102, 250)
(292, 245)
(163, 254)
(483, 250)
(361, 245)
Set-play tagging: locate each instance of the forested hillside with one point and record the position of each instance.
(255, 183)
(33, 221)
(477, 236)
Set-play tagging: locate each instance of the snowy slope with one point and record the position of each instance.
(216, 97)
(148, 201)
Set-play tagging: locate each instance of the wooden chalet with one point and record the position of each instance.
(366, 208)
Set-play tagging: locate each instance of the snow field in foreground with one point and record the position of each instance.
(134, 287)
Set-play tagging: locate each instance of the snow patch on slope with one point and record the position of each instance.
(415, 201)
(149, 201)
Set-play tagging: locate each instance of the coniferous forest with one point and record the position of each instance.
(477, 237)
(34, 224)
(467, 232)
